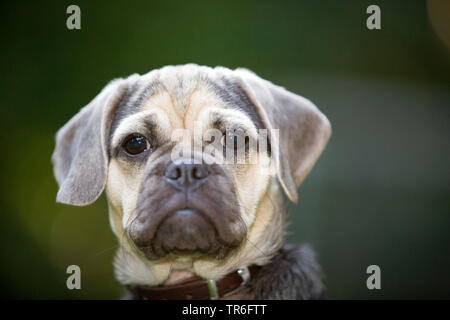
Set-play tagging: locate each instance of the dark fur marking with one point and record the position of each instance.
(293, 274)
(132, 102)
(233, 95)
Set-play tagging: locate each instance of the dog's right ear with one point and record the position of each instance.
(80, 158)
(303, 129)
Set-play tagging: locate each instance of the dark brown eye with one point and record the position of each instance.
(135, 144)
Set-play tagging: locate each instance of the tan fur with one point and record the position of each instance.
(190, 98)
(254, 198)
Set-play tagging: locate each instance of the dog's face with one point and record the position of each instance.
(176, 206)
(161, 144)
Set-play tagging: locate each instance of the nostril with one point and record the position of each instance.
(186, 175)
(199, 172)
(195, 173)
(177, 173)
(174, 172)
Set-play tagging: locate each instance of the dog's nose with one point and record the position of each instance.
(186, 175)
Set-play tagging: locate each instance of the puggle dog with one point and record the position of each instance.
(193, 222)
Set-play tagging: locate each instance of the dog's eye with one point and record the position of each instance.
(135, 144)
(235, 139)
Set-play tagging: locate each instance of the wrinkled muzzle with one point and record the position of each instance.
(186, 208)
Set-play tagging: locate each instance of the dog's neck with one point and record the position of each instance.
(177, 276)
(265, 241)
(293, 273)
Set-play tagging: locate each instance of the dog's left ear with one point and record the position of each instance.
(303, 129)
(80, 158)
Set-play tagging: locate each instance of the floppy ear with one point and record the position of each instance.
(80, 158)
(303, 129)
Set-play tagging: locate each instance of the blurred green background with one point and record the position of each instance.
(379, 194)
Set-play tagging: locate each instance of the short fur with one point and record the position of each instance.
(241, 203)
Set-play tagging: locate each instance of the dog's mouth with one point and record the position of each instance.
(195, 221)
(186, 232)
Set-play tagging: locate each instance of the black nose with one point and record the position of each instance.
(185, 176)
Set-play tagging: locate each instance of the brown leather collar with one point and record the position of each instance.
(196, 288)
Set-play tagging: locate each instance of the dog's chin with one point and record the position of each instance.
(187, 234)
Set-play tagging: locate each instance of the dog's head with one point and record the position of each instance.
(166, 147)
